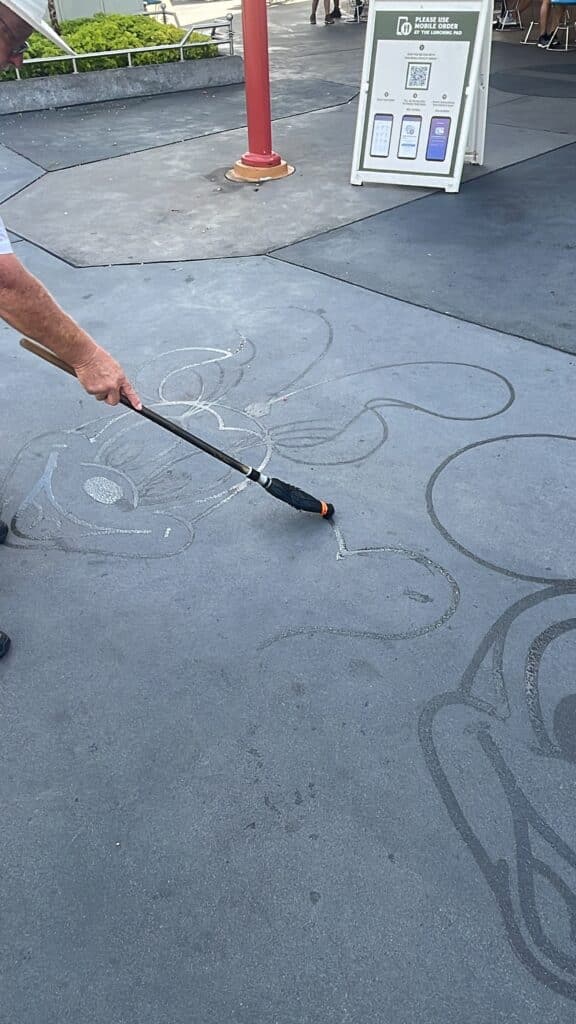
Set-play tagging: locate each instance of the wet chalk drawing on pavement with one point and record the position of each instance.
(504, 735)
(120, 486)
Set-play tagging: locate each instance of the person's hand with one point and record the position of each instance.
(100, 375)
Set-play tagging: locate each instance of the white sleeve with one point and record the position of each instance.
(5, 246)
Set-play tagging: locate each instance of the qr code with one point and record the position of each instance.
(418, 76)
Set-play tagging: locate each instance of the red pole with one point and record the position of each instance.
(257, 76)
(260, 161)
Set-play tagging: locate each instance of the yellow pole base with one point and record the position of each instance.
(242, 172)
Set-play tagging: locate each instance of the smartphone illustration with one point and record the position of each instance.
(381, 135)
(409, 136)
(438, 138)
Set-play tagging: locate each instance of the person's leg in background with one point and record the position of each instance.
(546, 29)
(329, 20)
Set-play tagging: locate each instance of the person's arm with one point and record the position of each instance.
(27, 306)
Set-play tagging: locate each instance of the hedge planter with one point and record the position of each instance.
(118, 84)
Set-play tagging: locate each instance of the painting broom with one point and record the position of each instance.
(277, 488)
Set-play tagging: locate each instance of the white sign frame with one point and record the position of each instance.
(470, 142)
(477, 135)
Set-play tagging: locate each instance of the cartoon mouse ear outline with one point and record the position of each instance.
(313, 335)
(208, 372)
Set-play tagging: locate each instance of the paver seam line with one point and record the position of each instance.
(22, 189)
(504, 103)
(225, 131)
(277, 249)
(520, 99)
(29, 159)
(179, 142)
(418, 305)
(321, 53)
(287, 117)
(309, 270)
(541, 72)
(17, 152)
(549, 131)
(427, 195)
(207, 259)
(57, 256)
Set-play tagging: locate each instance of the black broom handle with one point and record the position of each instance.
(148, 414)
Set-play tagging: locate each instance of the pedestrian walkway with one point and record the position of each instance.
(259, 767)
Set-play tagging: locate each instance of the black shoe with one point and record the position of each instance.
(3, 531)
(4, 644)
(545, 43)
(329, 20)
(312, 19)
(336, 13)
(507, 20)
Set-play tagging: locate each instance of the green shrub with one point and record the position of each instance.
(111, 32)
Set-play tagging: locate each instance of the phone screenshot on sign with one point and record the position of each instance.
(438, 138)
(409, 137)
(381, 135)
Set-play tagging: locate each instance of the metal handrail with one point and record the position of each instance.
(225, 22)
(163, 13)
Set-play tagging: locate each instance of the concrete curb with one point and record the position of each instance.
(119, 84)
